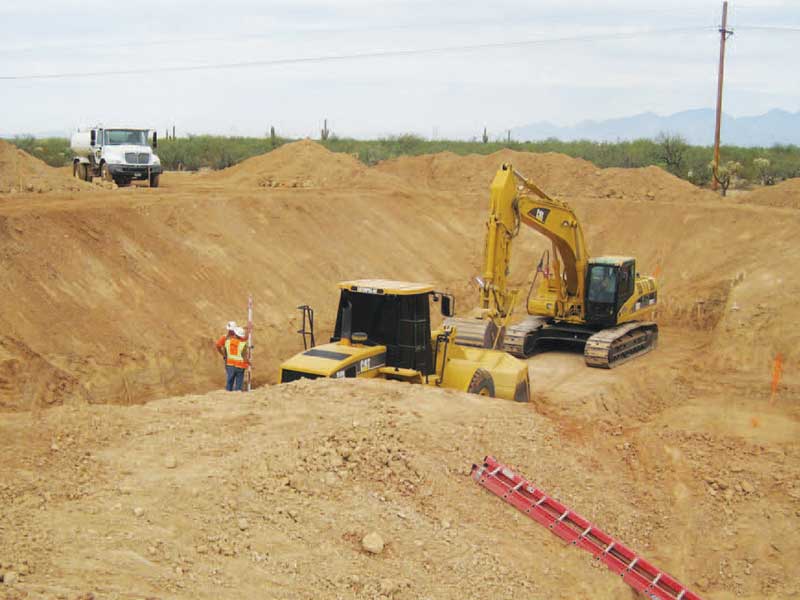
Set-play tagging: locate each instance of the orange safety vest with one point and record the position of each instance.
(234, 349)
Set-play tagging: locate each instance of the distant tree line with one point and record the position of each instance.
(671, 152)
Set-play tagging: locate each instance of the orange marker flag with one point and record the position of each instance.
(657, 271)
(777, 370)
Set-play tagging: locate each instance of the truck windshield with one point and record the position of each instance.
(117, 137)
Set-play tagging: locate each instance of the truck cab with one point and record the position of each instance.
(116, 153)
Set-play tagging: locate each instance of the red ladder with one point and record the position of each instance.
(574, 529)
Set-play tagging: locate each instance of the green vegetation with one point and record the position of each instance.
(667, 151)
(54, 151)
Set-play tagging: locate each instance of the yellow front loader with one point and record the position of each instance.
(383, 330)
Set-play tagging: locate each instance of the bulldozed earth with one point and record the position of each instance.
(128, 474)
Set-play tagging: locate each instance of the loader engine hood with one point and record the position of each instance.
(333, 360)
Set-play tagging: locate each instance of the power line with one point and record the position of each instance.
(769, 28)
(359, 56)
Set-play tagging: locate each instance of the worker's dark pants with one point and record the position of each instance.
(235, 378)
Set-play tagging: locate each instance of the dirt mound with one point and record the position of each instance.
(784, 195)
(303, 164)
(143, 282)
(21, 172)
(558, 174)
(272, 493)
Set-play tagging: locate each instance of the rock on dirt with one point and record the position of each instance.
(10, 578)
(372, 543)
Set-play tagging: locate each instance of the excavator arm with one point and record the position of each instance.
(552, 218)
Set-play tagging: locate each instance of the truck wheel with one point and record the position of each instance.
(82, 170)
(481, 383)
(154, 179)
(76, 169)
(105, 173)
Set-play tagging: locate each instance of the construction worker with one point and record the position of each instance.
(233, 348)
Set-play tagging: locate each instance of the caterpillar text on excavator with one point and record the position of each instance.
(601, 302)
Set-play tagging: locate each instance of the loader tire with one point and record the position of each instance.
(481, 383)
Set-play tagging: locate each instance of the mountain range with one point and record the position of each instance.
(696, 126)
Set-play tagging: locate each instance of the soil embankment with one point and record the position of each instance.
(116, 296)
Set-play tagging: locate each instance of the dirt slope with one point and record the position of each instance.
(117, 297)
(303, 164)
(21, 172)
(271, 494)
(784, 195)
(557, 174)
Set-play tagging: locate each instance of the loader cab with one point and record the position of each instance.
(392, 314)
(609, 284)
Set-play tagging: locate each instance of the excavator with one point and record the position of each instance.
(601, 303)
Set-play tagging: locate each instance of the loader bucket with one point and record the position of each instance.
(509, 374)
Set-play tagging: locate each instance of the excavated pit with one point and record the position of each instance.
(112, 299)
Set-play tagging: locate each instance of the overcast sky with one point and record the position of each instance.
(444, 94)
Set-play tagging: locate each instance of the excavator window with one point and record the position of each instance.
(603, 284)
(627, 279)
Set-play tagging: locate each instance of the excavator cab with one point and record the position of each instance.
(609, 284)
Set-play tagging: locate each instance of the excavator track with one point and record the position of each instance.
(611, 347)
(518, 340)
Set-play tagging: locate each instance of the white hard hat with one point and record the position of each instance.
(231, 325)
(239, 331)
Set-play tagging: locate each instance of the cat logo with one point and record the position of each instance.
(539, 214)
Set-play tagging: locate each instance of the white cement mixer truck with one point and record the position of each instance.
(119, 154)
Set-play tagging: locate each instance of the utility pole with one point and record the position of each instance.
(724, 34)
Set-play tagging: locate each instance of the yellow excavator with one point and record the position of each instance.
(383, 330)
(601, 303)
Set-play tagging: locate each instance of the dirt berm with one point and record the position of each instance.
(21, 172)
(783, 195)
(272, 493)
